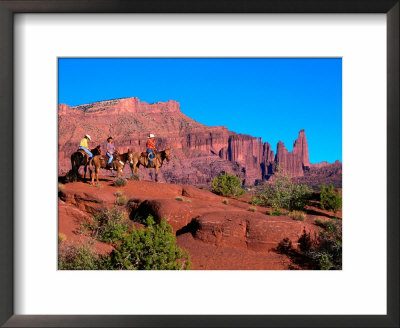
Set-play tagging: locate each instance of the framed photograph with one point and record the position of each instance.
(216, 164)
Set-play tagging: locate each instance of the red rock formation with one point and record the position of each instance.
(199, 152)
(293, 163)
(217, 235)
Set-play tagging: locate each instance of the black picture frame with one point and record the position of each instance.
(10, 7)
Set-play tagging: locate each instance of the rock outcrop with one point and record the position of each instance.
(199, 152)
(295, 162)
(217, 235)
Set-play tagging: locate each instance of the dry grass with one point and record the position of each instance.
(297, 215)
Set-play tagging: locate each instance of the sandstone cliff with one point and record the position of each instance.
(199, 152)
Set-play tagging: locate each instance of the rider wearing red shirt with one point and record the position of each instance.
(151, 148)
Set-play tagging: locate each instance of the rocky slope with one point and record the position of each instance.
(199, 152)
(217, 235)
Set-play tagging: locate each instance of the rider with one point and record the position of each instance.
(110, 151)
(84, 145)
(151, 148)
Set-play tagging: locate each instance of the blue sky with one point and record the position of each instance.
(269, 98)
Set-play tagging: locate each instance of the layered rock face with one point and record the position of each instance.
(199, 152)
(297, 161)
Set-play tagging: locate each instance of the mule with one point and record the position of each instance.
(157, 162)
(80, 158)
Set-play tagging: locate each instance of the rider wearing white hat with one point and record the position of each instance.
(84, 145)
(151, 147)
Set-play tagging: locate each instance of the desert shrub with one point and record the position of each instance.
(119, 193)
(300, 194)
(60, 187)
(258, 201)
(98, 185)
(283, 193)
(330, 199)
(276, 212)
(325, 250)
(135, 177)
(252, 209)
(328, 225)
(188, 201)
(225, 201)
(180, 199)
(79, 258)
(324, 262)
(227, 185)
(61, 237)
(151, 248)
(120, 182)
(107, 225)
(121, 200)
(297, 215)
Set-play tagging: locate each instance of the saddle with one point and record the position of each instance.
(146, 156)
(84, 154)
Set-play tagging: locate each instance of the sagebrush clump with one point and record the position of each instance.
(298, 215)
(82, 257)
(120, 182)
(135, 177)
(121, 200)
(107, 225)
(227, 185)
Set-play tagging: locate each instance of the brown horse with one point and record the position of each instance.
(79, 158)
(125, 157)
(100, 162)
(138, 159)
(118, 164)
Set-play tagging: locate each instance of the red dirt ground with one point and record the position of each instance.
(217, 236)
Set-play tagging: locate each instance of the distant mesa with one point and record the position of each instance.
(200, 152)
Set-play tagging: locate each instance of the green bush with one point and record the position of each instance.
(227, 185)
(328, 225)
(225, 201)
(152, 248)
(330, 199)
(79, 258)
(325, 250)
(120, 182)
(180, 199)
(283, 193)
(252, 209)
(298, 215)
(107, 225)
(276, 212)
